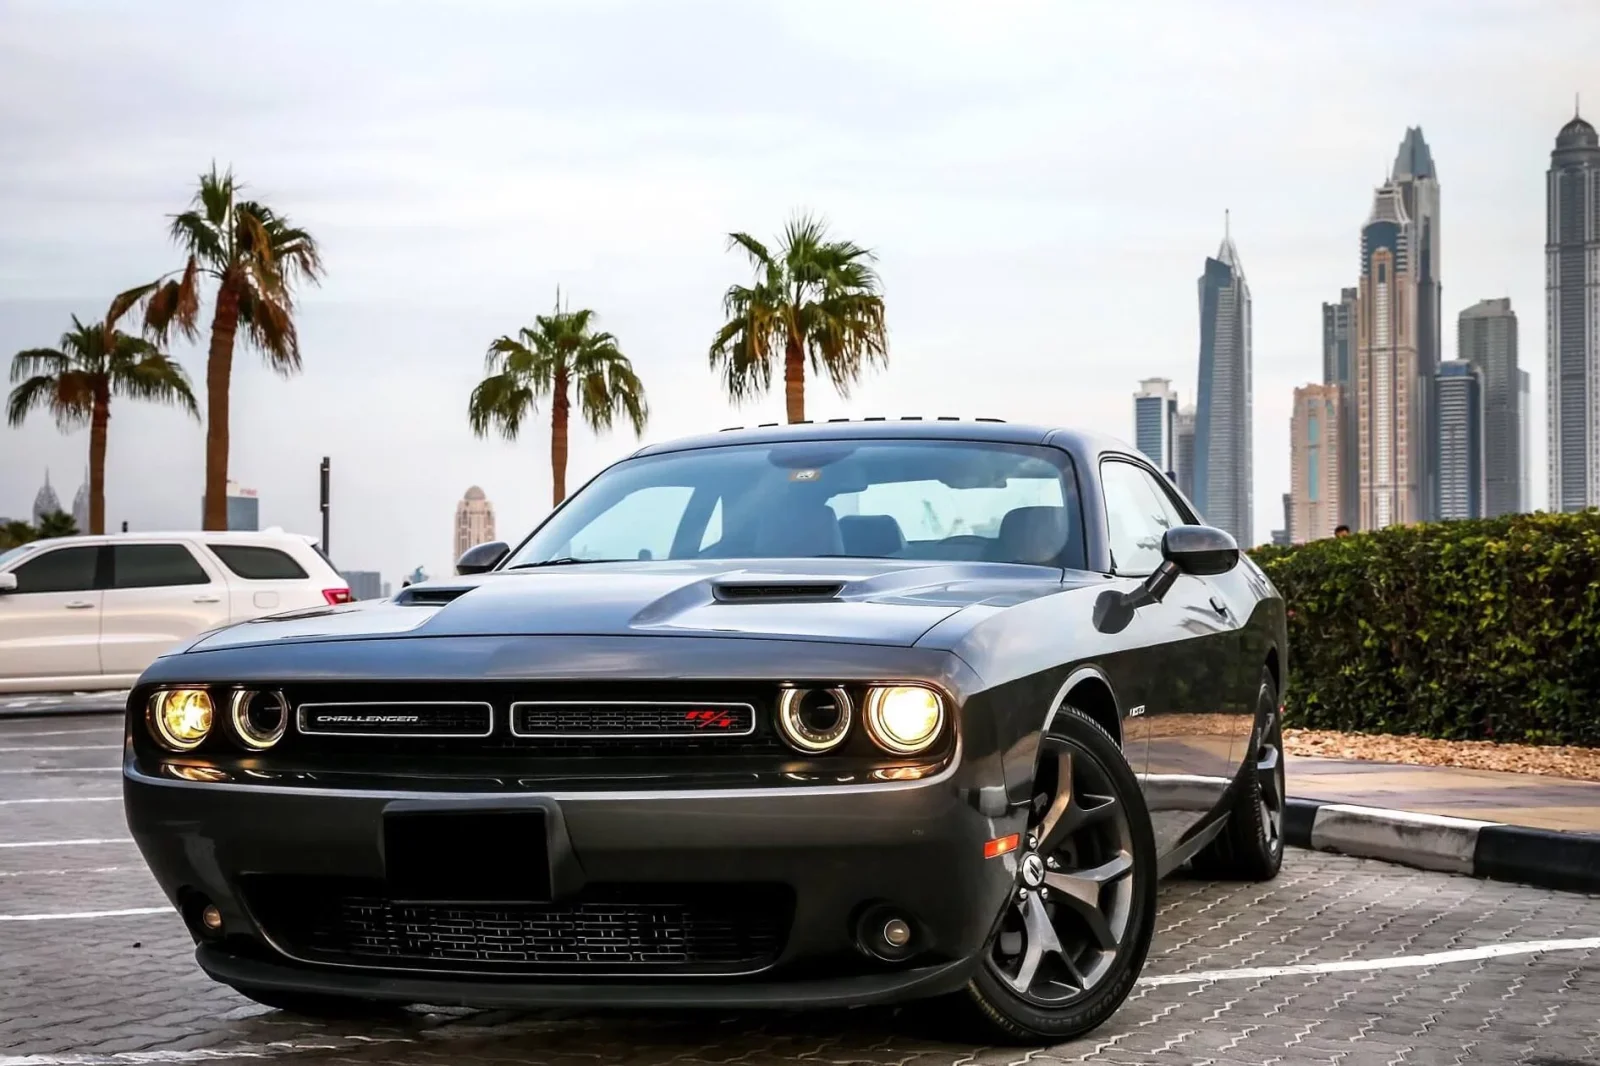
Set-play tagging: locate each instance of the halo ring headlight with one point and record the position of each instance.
(904, 719)
(260, 718)
(815, 720)
(180, 718)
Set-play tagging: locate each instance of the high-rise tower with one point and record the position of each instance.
(1486, 337)
(1392, 436)
(1222, 457)
(1417, 180)
(1339, 368)
(1572, 308)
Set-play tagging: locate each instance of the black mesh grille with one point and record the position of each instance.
(630, 720)
(396, 719)
(729, 928)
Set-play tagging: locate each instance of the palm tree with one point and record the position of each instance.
(816, 298)
(15, 533)
(76, 381)
(57, 524)
(256, 258)
(548, 360)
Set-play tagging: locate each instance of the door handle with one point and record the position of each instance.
(206, 599)
(79, 605)
(1218, 606)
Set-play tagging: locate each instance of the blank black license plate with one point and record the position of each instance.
(466, 856)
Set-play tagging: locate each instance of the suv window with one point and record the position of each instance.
(61, 570)
(143, 566)
(255, 563)
(1138, 513)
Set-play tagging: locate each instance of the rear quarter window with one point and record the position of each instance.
(255, 563)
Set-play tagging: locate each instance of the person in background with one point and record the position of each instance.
(1341, 531)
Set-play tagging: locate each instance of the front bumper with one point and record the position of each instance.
(917, 846)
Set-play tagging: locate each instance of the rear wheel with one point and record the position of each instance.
(1250, 846)
(314, 1004)
(1075, 933)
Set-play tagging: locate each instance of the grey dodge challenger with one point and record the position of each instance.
(793, 716)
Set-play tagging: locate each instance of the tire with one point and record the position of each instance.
(1250, 846)
(1109, 859)
(315, 1004)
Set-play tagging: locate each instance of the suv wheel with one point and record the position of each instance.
(1250, 846)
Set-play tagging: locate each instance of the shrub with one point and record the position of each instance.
(1475, 630)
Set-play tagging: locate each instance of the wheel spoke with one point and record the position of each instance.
(1042, 940)
(1051, 826)
(1267, 772)
(1080, 893)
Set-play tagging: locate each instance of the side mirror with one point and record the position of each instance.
(481, 557)
(8, 582)
(1200, 550)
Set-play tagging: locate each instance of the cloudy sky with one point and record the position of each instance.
(1041, 182)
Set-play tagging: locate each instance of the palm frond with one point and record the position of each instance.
(215, 195)
(141, 371)
(35, 362)
(269, 327)
(201, 238)
(759, 256)
(500, 402)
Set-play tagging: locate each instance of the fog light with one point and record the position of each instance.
(211, 918)
(180, 718)
(883, 932)
(904, 719)
(896, 933)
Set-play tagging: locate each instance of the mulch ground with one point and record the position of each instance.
(1581, 763)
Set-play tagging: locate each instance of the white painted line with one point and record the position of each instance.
(77, 842)
(63, 799)
(1396, 962)
(63, 732)
(126, 912)
(62, 747)
(69, 870)
(202, 1054)
(1428, 841)
(66, 770)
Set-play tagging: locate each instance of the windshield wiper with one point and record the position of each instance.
(565, 560)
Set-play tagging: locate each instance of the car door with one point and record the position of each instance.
(50, 623)
(159, 594)
(1187, 656)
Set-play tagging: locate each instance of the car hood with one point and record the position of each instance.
(887, 602)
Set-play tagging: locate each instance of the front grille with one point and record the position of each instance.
(727, 928)
(398, 718)
(617, 721)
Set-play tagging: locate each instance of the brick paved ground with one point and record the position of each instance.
(92, 991)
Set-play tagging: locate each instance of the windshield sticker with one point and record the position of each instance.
(804, 475)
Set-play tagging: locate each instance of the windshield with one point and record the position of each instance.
(944, 500)
(14, 554)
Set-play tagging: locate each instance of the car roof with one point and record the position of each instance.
(991, 430)
(243, 536)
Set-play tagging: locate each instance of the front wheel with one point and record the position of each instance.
(1250, 846)
(1075, 934)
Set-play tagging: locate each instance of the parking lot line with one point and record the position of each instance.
(65, 770)
(202, 1054)
(61, 872)
(61, 747)
(126, 912)
(1394, 962)
(76, 842)
(62, 732)
(62, 799)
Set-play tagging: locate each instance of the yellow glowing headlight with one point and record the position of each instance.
(181, 717)
(904, 719)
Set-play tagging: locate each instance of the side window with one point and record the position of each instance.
(255, 563)
(143, 566)
(1138, 513)
(62, 570)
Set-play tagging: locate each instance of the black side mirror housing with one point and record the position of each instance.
(482, 557)
(1200, 550)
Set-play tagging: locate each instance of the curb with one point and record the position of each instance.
(1499, 852)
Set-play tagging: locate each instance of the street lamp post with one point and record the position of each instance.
(325, 472)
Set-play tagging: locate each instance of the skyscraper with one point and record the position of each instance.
(1572, 307)
(1525, 422)
(1486, 337)
(1183, 450)
(45, 501)
(80, 505)
(1391, 433)
(1418, 183)
(1222, 458)
(1155, 408)
(474, 520)
(1314, 454)
(1338, 368)
(1461, 481)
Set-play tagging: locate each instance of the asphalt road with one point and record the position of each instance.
(1339, 961)
(30, 705)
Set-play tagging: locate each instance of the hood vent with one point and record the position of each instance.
(775, 591)
(426, 597)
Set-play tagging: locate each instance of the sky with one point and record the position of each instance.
(1041, 183)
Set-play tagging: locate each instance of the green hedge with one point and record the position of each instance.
(1478, 630)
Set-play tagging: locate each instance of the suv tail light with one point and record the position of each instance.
(337, 596)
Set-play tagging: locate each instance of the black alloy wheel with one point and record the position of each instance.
(1075, 933)
(1250, 846)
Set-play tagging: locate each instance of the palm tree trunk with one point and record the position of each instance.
(794, 380)
(219, 379)
(558, 437)
(99, 422)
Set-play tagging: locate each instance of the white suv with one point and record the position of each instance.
(79, 613)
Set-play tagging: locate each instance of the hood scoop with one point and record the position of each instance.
(421, 596)
(776, 591)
